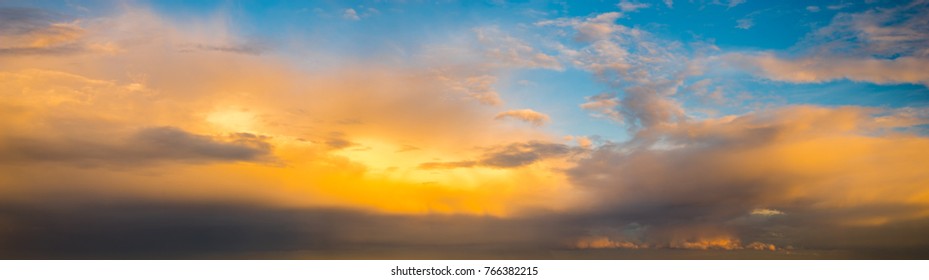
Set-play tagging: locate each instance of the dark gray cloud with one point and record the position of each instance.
(172, 142)
(151, 230)
(509, 156)
(166, 230)
(146, 145)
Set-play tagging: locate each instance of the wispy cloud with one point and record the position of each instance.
(745, 23)
(526, 115)
(508, 156)
(630, 6)
(904, 70)
(880, 46)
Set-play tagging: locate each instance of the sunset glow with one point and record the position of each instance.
(476, 129)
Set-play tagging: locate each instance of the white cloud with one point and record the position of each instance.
(745, 23)
(629, 6)
(838, 6)
(350, 14)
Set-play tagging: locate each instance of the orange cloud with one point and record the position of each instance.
(526, 115)
(193, 115)
(721, 243)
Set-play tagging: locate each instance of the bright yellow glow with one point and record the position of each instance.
(233, 120)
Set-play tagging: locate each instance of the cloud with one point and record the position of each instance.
(645, 107)
(479, 88)
(717, 243)
(733, 3)
(158, 230)
(27, 31)
(838, 6)
(846, 179)
(172, 142)
(812, 9)
(448, 165)
(761, 246)
(766, 212)
(504, 50)
(519, 154)
(630, 6)
(147, 145)
(604, 105)
(526, 115)
(595, 28)
(644, 70)
(407, 148)
(702, 90)
(146, 229)
(350, 14)
(337, 141)
(508, 156)
(879, 32)
(702, 186)
(603, 242)
(249, 49)
(642, 105)
(155, 121)
(881, 46)
(903, 70)
(722, 243)
(584, 142)
(745, 23)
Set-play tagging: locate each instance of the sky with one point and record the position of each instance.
(739, 129)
